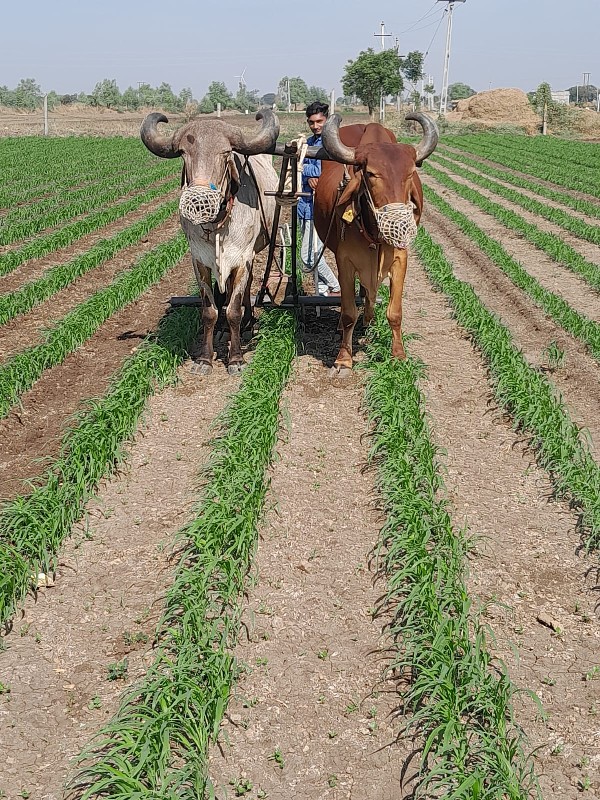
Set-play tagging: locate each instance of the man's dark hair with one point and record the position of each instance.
(317, 108)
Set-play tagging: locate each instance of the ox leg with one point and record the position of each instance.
(235, 310)
(203, 362)
(348, 316)
(394, 310)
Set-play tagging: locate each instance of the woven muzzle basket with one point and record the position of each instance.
(396, 225)
(200, 204)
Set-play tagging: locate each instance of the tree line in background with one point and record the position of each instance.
(28, 96)
(366, 79)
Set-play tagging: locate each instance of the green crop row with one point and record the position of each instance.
(70, 159)
(60, 276)
(32, 528)
(549, 243)
(525, 393)
(556, 307)
(458, 697)
(29, 220)
(576, 203)
(573, 155)
(156, 744)
(581, 229)
(70, 233)
(561, 175)
(21, 371)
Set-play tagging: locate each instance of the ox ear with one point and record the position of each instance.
(351, 189)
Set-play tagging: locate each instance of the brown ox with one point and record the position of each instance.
(370, 224)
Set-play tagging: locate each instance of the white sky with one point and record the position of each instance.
(70, 45)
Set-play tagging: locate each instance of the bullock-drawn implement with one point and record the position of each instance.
(367, 206)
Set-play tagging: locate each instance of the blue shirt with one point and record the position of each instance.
(311, 168)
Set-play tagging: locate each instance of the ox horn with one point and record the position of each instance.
(430, 135)
(262, 142)
(334, 145)
(159, 145)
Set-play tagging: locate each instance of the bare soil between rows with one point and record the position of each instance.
(32, 431)
(578, 379)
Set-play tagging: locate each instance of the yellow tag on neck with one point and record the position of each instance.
(348, 215)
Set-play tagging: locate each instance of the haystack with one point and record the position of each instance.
(497, 107)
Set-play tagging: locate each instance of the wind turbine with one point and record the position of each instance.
(242, 82)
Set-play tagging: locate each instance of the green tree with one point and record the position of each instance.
(106, 93)
(27, 94)
(583, 94)
(219, 93)
(146, 95)
(412, 66)
(372, 74)
(268, 99)
(246, 100)
(206, 105)
(460, 91)
(166, 98)
(185, 97)
(130, 99)
(298, 92)
(316, 93)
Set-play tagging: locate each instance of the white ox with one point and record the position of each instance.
(224, 214)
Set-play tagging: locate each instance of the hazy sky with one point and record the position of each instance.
(69, 45)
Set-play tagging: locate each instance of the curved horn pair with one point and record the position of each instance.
(262, 142)
(347, 155)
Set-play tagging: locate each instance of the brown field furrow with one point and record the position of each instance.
(497, 165)
(26, 330)
(35, 267)
(589, 251)
(46, 231)
(314, 689)
(550, 274)
(526, 561)
(111, 577)
(32, 430)
(525, 192)
(532, 330)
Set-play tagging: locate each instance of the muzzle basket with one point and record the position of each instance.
(200, 204)
(396, 225)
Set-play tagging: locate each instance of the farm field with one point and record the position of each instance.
(304, 587)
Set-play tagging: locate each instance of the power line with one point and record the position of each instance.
(416, 22)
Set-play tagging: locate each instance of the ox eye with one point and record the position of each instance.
(371, 174)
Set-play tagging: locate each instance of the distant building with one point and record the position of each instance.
(561, 97)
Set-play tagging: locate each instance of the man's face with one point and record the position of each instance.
(316, 122)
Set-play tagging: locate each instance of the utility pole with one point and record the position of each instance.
(383, 35)
(289, 96)
(444, 92)
(45, 115)
(332, 102)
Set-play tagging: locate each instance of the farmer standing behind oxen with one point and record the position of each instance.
(316, 116)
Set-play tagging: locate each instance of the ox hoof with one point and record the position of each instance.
(340, 372)
(236, 369)
(202, 368)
